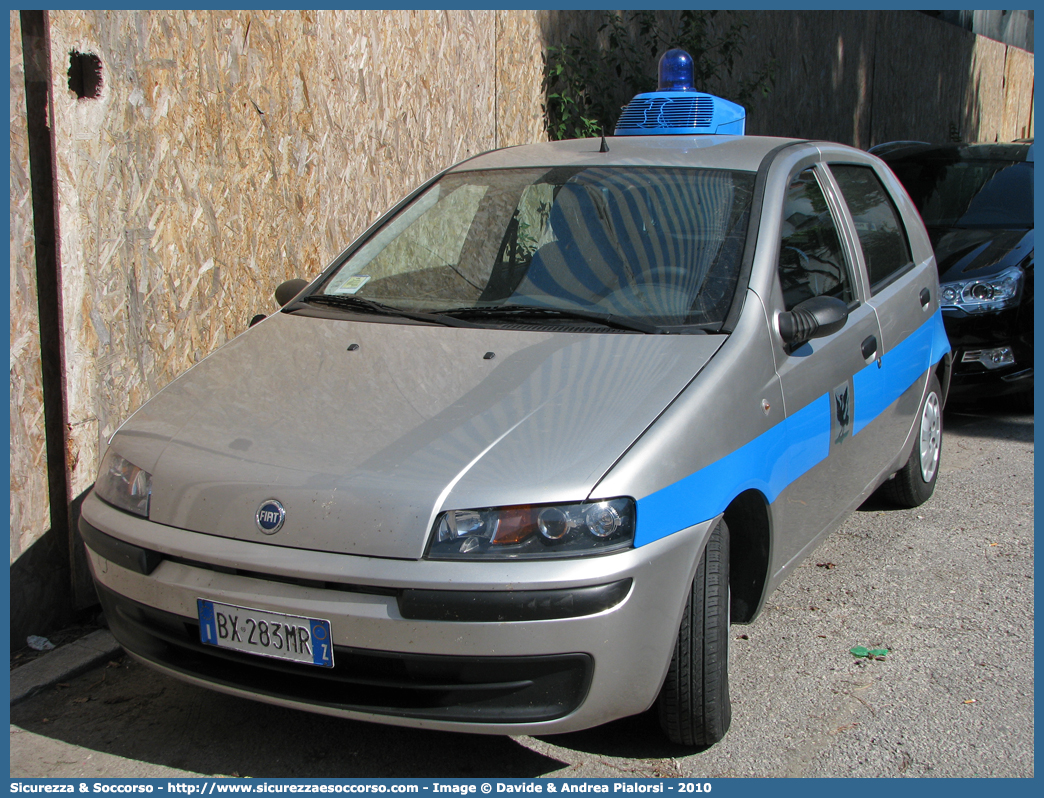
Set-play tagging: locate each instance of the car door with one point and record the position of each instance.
(902, 293)
(819, 378)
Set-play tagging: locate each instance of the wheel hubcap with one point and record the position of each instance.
(931, 437)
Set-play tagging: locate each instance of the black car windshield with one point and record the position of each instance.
(954, 192)
(641, 247)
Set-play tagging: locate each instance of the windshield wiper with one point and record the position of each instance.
(606, 319)
(370, 306)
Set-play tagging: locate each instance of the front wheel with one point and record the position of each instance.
(914, 483)
(694, 704)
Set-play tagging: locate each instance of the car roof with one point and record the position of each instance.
(744, 153)
(892, 146)
(1011, 151)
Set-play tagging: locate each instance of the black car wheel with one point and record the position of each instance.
(694, 704)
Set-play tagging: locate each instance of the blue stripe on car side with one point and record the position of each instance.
(768, 463)
(790, 449)
(876, 387)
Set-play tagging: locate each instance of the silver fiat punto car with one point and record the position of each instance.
(516, 460)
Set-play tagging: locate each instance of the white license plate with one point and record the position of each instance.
(269, 634)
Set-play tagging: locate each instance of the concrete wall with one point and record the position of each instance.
(228, 151)
(1011, 27)
(864, 77)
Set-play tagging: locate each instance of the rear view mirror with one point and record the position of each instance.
(814, 318)
(288, 290)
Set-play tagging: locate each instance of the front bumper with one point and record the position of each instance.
(590, 641)
(970, 333)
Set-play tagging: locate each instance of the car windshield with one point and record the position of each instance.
(950, 192)
(654, 246)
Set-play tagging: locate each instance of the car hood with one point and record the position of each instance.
(364, 447)
(967, 253)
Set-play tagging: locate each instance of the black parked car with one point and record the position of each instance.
(976, 201)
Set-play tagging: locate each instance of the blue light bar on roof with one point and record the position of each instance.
(677, 108)
(676, 72)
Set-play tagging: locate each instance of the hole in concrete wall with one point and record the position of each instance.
(85, 75)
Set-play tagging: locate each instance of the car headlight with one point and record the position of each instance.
(996, 292)
(533, 531)
(122, 484)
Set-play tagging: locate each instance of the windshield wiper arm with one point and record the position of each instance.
(607, 319)
(370, 306)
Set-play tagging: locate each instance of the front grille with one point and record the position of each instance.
(526, 689)
(288, 580)
(145, 561)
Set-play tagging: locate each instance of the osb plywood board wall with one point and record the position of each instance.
(229, 151)
(519, 66)
(1018, 95)
(30, 513)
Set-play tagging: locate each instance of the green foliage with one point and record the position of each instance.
(587, 82)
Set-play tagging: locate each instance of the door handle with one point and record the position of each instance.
(926, 297)
(869, 347)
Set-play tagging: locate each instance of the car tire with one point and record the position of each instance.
(914, 483)
(1024, 401)
(693, 705)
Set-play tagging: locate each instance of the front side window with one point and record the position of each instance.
(811, 260)
(882, 236)
(661, 246)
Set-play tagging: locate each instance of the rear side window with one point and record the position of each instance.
(882, 236)
(811, 262)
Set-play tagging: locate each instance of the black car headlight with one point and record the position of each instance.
(996, 292)
(123, 485)
(533, 531)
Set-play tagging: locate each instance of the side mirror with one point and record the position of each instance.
(288, 290)
(814, 318)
